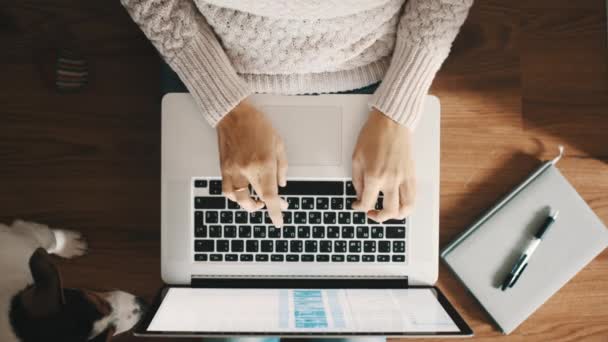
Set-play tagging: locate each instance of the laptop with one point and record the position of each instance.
(329, 271)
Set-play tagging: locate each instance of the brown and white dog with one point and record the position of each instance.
(33, 305)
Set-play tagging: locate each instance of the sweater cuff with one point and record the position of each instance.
(207, 73)
(401, 94)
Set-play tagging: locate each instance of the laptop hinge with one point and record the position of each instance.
(302, 282)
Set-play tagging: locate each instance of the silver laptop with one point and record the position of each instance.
(329, 271)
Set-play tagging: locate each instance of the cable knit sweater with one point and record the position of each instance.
(225, 50)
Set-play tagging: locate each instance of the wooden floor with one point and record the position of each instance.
(523, 77)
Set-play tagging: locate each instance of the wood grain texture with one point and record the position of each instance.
(523, 77)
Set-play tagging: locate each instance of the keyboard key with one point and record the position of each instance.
(267, 246)
(215, 257)
(329, 217)
(215, 187)
(308, 257)
(399, 258)
(226, 217)
(237, 245)
(276, 257)
(211, 216)
(339, 246)
(299, 217)
(231, 257)
(198, 219)
(246, 257)
(289, 232)
(322, 203)
(314, 217)
(325, 246)
(353, 258)
(215, 231)
(349, 202)
(281, 246)
(393, 221)
(259, 232)
(287, 217)
(244, 231)
(322, 258)
(398, 246)
(358, 217)
(292, 257)
(222, 246)
(310, 246)
(377, 232)
(252, 246)
(354, 246)
(293, 203)
(261, 257)
(229, 231)
(204, 246)
(337, 258)
(208, 202)
(379, 203)
(256, 217)
(337, 203)
(369, 246)
(350, 189)
(200, 257)
(395, 232)
(344, 217)
(384, 246)
(267, 218)
(317, 188)
(333, 232)
(200, 232)
(318, 232)
(303, 232)
(308, 203)
(383, 258)
(368, 258)
(233, 205)
(274, 232)
(200, 183)
(348, 232)
(295, 246)
(240, 217)
(362, 232)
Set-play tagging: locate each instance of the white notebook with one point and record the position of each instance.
(483, 255)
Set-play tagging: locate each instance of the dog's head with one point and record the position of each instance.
(45, 311)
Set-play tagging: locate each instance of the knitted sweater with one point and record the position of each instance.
(225, 50)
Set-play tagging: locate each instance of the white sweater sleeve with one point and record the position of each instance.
(188, 44)
(424, 38)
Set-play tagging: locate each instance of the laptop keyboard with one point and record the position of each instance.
(319, 226)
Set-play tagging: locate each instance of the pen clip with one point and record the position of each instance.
(518, 275)
(559, 156)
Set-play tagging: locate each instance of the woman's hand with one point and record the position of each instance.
(251, 152)
(382, 161)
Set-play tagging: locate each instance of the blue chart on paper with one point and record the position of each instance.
(309, 311)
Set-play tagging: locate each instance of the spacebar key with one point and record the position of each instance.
(313, 188)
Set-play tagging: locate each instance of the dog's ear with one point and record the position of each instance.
(46, 296)
(105, 336)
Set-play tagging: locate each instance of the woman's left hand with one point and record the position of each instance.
(382, 161)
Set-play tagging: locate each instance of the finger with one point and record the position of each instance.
(371, 189)
(390, 206)
(407, 195)
(358, 179)
(227, 188)
(265, 184)
(281, 164)
(242, 197)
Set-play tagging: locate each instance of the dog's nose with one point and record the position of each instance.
(141, 303)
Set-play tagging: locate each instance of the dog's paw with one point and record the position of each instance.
(69, 244)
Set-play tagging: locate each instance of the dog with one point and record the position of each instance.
(34, 307)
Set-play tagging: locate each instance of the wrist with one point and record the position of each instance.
(385, 122)
(234, 116)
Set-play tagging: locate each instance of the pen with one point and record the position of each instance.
(522, 262)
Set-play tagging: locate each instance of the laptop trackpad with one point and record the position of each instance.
(312, 134)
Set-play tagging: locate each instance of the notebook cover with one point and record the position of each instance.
(484, 254)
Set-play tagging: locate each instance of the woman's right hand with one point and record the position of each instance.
(251, 152)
